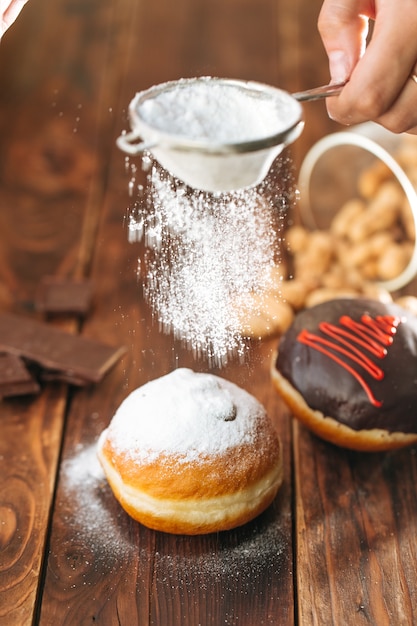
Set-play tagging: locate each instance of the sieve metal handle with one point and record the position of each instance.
(326, 91)
(127, 143)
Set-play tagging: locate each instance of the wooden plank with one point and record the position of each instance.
(101, 563)
(31, 431)
(356, 549)
(52, 124)
(52, 175)
(356, 554)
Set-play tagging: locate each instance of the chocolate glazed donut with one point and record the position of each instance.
(348, 370)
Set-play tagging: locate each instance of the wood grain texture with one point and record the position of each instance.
(355, 515)
(31, 432)
(52, 177)
(144, 577)
(90, 82)
(338, 544)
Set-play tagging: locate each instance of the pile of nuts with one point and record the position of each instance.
(370, 239)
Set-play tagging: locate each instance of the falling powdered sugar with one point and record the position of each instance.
(209, 255)
(206, 258)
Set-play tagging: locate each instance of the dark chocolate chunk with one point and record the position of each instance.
(64, 296)
(15, 378)
(70, 357)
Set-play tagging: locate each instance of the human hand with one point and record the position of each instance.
(382, 81)
(9, 10)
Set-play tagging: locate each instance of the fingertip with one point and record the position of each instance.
(339, 66)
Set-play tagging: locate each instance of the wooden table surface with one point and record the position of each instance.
(338, 546)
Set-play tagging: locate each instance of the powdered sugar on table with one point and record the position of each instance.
(206, 256)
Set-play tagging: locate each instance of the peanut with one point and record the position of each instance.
(294, 292)
(393, 261)
(270, 317)
(350, 212)
(323, 295)
(296, 238)
(371, 179)
(408, 302)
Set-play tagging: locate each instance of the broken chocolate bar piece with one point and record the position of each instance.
(73, 358)
(15, 378)
(64, 296)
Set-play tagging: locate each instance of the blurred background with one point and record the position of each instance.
(68, 70)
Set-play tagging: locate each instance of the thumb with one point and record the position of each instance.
(343, 27)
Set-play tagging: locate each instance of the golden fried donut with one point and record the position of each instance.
(191, 453)
(347, 369)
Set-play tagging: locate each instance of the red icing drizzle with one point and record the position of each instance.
(350, 339)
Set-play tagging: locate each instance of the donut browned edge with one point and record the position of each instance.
(165, 498)
(329, 429)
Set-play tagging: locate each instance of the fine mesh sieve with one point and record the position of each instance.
(216, 134)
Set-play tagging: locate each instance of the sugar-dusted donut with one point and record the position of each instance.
(191, 453)
(347, 368)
